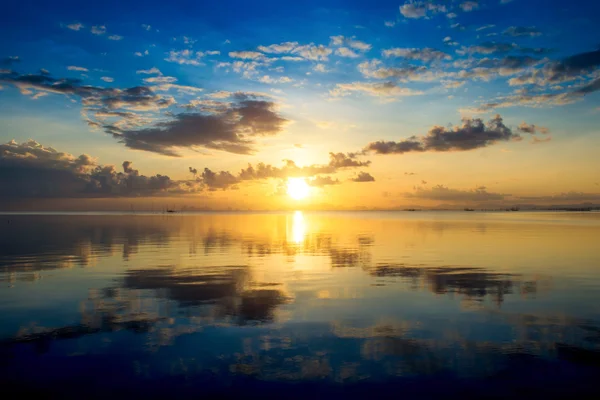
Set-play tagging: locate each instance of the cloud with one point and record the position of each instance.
(346, 52)
(537, 140)
(384, 89)
(230, 130)
(570, 68)
(363, 177)
(223, 180)
(320, 181)
(185, 57)
(107, 79)
(271, 80)
(532, 129)
(443, 193)
(469, 6)
(31, 169)
(472, 134)
(150, 71)
(285, 47)
(98, 30)
(75, 26)
(481, 28)
(218, 180)
(389, 24)
(518, 31)
(420, 9)
(76, 68)
(246, 55)
(565, 197)
(313, 52)
(320, 68)
(489, 48)
(10, 60)
(425, 54)
(115, 37)
(409, 73)
(350, 42)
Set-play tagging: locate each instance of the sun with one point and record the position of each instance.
(297, 188)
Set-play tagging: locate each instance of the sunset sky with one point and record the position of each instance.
(308, 105)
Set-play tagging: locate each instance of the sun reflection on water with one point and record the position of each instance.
(299, 227)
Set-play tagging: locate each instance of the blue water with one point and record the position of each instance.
(290, 305)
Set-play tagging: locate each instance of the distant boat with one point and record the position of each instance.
(170, 211)
(469, 209)
(411, 209)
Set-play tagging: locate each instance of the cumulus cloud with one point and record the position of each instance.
(76, 68)
(261, 171)
(313, 52)
(384, 89)
(424, 54)
(115, 37)
(532, 129)
(31, 169)
(489, 48)
(363, 177)
(350, 42)
(150, 71)
(185, 57)
(107, 79)
(75, 26)
(346, 52)
(230, 130)
(517, 31)
(321, 181)
(126, 114)
(421, 9)
(469, 6)
(409, 73)
(471, 134)
(446, 194)
(285, 47)
(98, 30)
(246, 55)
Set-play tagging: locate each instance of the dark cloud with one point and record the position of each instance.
(363, 177)
(218, 180)
(489, 48)
(522, 31)
(262, 171)
(8, 61)
(532, 129)
(443, 193)
(472, 134)
(229, 131)
(425, 54)
(226, 126)
(32, 170)
(476, 283)
(572, 67)
(578, 66)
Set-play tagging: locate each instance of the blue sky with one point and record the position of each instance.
(147, 82)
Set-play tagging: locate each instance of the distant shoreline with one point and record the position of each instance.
(195, 212)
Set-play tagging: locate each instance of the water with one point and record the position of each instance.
(299, 304)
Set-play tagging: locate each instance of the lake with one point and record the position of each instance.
(290, 305)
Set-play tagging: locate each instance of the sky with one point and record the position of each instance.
(304, 105)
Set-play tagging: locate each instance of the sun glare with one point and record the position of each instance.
(297, 188)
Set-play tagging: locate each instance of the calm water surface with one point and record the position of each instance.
(290, 305)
